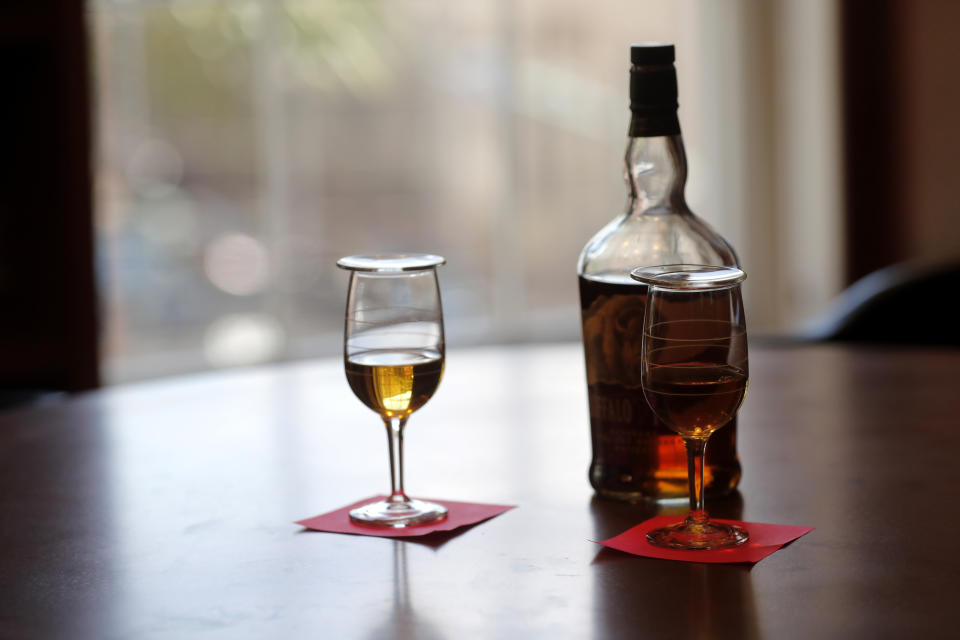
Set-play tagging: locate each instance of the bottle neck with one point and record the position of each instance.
(656, 173)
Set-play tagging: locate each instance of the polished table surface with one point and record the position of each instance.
(166, 509)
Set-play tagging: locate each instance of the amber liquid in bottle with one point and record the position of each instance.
(635, 454)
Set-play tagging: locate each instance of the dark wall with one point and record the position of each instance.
(48, 336)
(902, 132)
(870, 50)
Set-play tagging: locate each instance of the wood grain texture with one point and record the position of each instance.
(165, 509)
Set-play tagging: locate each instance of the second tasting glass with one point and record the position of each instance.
(393, 355)
(694, 376)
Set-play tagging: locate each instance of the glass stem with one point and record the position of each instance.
(395, 441)
(696, 448)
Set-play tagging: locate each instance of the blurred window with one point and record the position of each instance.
(244, 145)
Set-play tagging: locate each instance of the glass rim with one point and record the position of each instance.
(388, 262)
(689, 277)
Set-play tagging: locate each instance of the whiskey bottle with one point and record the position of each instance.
(635, 456)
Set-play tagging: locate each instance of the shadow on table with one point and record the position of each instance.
(663, 598)
(437, 539)
(611, 517)
(433, 540)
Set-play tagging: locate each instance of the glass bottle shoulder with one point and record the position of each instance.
(652, 237)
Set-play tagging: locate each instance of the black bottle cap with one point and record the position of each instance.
(653, 90)
(652, 53)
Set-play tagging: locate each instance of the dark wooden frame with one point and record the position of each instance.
(870, 46)
(48, 326)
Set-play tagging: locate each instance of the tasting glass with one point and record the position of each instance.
(393, 352)
(694, 376)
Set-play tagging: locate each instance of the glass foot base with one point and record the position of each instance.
(692, 536)
(398, 514)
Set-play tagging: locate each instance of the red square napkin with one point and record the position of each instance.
(764, 539)
(459, 514)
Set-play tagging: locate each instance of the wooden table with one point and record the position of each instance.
(166, 509)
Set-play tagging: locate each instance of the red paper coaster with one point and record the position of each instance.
(764, 540)
(460, 514)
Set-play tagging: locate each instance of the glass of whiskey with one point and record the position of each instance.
(393, 354)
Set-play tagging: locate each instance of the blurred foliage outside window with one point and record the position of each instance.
(243, 146)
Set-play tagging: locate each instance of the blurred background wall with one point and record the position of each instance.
(238, 147)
